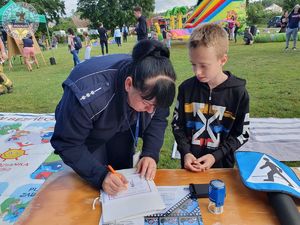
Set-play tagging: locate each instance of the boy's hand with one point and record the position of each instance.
(204, 162)
(114, 183)
(146, 167)
(189, 161)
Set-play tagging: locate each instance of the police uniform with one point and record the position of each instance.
(95, 126)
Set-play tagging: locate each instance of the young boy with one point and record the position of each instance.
(211, 117)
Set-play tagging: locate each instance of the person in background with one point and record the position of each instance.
(292, 27)
(141, 27)
(227, 30)
(71, 46)
(6, 85)
(28, 52)
(4, 37)
(109, 102)
(103, 38)
(117, 36)
(284, 21)
(231, 25)
(211, 117)
(54, 42)
(41, 44)
(154, 35)
(125, 32)
(164, 35)
(88, 46)
(248, 37)
(236, 29)
(168, 40)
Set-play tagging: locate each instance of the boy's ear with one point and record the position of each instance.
(224, 59)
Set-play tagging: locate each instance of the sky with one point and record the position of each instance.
(160, 5)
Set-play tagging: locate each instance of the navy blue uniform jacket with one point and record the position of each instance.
(93, 109)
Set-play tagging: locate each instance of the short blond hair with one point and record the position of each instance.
(210, 35)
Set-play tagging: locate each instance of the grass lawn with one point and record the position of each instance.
(273, 81)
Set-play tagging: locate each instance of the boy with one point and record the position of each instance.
(211, 117)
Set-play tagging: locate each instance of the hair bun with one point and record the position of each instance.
(146, 48)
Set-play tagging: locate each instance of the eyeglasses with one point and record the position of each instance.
(148, 103)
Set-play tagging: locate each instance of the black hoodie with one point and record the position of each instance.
(212, 121)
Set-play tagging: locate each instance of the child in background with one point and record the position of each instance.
(29, 52)
(248, 37)
(87, 44)
(211, 117)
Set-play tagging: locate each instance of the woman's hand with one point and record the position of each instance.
(114, 183)
(147, 168)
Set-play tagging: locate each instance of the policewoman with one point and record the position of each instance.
(108, 102)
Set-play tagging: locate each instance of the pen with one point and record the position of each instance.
(110, 169)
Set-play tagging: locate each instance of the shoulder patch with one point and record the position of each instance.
(92, 86)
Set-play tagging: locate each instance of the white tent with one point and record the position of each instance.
(274, 8)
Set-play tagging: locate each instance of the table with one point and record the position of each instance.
(65, 199)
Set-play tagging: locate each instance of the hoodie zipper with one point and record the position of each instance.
(209, 103)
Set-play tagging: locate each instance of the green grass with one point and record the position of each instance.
(272, 76)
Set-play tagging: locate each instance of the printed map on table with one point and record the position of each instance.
(24, 147)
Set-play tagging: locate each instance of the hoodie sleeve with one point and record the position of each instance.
(153, 136)
(239, 133)
(72, 127)
(178, 125)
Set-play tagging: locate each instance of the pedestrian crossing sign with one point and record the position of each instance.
(262, 172)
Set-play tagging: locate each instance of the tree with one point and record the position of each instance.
(112, 12)
(64, 24)
(290, 4)
(256, 14)
(52, 9)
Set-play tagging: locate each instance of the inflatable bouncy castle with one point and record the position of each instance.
(218, 11)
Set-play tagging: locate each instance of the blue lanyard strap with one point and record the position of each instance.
(137, 127)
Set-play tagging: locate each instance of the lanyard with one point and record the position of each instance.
(137, 127)
(135, 136)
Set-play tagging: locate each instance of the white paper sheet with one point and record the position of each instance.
(170, 195)
(141, 198)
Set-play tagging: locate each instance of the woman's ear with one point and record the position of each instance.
(128, 83)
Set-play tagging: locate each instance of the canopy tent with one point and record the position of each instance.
(42, 18)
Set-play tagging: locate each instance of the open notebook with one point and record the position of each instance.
(140, 199)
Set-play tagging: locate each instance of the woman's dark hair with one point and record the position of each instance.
(70, 31)
(152, 72)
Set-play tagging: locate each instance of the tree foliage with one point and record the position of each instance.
(64, 24)
(52, 9)
(256, 13)
(112, 12)
(289, 4)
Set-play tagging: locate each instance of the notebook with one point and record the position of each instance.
(140, 199)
